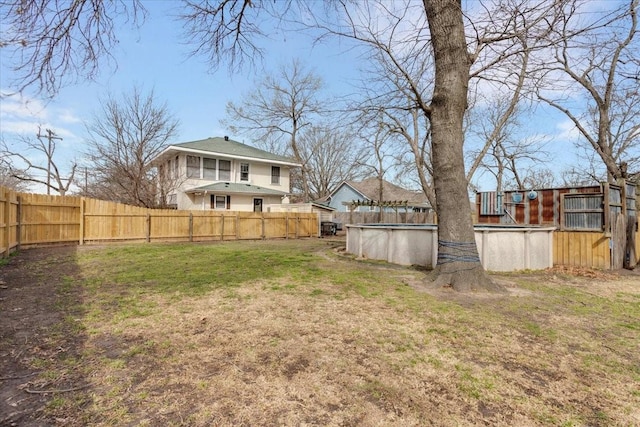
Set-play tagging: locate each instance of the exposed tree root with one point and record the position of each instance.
(461, 277)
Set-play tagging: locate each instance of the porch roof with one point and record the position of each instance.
(236, 188)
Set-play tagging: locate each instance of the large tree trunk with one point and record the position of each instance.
(458, 261)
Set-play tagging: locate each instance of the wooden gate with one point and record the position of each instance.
(618, 241)
(622, 223)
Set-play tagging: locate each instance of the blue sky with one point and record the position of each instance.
(154, 57)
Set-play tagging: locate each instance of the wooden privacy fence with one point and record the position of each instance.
(34, 219)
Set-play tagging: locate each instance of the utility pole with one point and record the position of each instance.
(50, 136)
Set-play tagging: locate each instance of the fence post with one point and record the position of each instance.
(286, 225)
(221, 227)
(191, 226)
(237, 227)
(148, 224)
(19, 223)
(297, 225)
(7, 212)
(607, 208)
(262, 235)
(81, 232)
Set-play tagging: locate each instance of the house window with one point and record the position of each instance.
(209, 168)
(244, 171)
(176, 168)
(193, 167)
(219, 202)
(225, 170)
(172, 199)
(275, 174)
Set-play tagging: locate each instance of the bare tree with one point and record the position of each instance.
(591, 77)
(505, 154)
(281, 108)
(535, 178)
(575, 177)
(22, 166)
(396, 88)
(49, 43)
(8, 176)
(125, 136)
(331, 157)
(380, 156)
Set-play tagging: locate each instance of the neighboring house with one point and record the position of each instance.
(222, 174)
(369, 191)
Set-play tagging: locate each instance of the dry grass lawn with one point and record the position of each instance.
(294, 333)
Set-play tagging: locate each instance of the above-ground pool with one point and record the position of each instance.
(501, 248)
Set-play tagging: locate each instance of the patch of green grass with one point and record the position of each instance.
(194, 269)
(470, 384)
(317, 292)
(539, 331)
(56, 402)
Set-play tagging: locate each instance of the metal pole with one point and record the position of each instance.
(50, 136)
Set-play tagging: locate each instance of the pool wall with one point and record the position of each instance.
(501, 248)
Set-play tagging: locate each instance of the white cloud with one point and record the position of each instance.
(567, 131)
(17, 107)
(22, 115)
(68, 116)
(19, 126)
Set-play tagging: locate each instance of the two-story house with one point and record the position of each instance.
(219, 173)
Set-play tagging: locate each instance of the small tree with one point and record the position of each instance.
(8, 176)
(331, 157)
(124, 138)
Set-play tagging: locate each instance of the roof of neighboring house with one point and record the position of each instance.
(227, 148)
(322, 204)
(370, 189)
(235, 188)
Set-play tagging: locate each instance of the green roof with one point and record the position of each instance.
(235, 188)
(228, 147)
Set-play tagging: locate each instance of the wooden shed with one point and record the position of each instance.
(597, 225)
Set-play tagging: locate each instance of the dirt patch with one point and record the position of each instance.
(37, 335)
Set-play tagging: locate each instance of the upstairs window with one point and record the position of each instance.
(209, 168)
(193, 167)
(275, 174)
(176, 168)
(225, 170)
(244, 171)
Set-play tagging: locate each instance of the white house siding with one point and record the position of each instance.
(259, 174)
